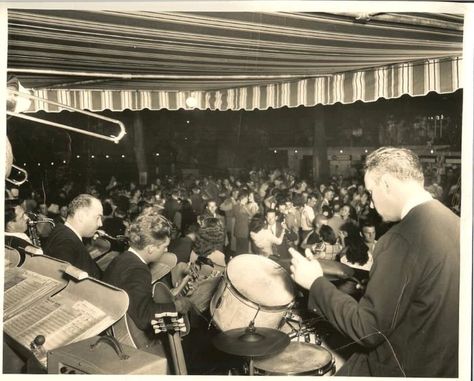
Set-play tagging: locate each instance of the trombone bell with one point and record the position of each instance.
(14, 93)
(20, 171)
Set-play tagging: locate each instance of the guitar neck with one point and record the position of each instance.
(177, 354)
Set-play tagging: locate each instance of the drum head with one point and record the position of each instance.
(260, 280)
(297, 358)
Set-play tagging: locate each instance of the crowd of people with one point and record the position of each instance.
(266, 213)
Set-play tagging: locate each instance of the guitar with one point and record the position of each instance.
(173, 326)
(126, 331)
(205, 273)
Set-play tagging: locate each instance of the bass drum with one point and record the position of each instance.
(253, 287)
(297, 359)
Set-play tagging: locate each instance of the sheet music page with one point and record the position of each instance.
(60, 324)
(23, 287)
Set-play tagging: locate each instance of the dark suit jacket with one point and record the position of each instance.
(64, 244)
(129, 273)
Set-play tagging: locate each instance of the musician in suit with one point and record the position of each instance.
(149, 239)
(65, 241)
(16, 226)
(15, 223)
(408, 318)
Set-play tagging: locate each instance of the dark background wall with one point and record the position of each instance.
(214, 141)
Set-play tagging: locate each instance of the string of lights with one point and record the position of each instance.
(82, 158)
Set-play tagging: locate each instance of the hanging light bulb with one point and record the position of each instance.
(191, 102)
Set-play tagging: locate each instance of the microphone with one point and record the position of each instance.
(101, 233)
(32, 216)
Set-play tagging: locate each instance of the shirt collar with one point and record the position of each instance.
(414, 201)
(74, 230)
(132, 250)
(23, 236)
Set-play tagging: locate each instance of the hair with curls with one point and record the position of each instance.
(210, 237)
(10, 213)
(82, 201)
(257, 223)
(242, 194)
(327, 234)
(357, 251)
(149, 228)
(401, 163)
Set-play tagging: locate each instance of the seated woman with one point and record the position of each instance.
(356, 253)
(328, 248)
(209, 242)
(262, 238)
(208, 254)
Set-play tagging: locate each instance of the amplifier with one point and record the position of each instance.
(104, 355)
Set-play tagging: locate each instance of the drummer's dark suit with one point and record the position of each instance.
(408, 318)
(64, 244)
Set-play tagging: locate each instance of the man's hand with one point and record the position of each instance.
(303, 271)
(183, 305)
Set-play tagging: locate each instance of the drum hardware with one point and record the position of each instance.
(251, 342)
(297, 359)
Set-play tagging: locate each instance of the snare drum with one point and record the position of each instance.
(252, 282)
(297, 359)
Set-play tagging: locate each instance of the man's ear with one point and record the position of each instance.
(148, 250)
(9, 225)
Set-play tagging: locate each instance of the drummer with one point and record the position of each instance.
(408, 317)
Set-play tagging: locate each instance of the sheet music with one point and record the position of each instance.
(23, 287)
(59, 324)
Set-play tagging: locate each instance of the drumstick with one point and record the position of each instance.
(295, 256)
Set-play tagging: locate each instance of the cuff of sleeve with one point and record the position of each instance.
(314, 290)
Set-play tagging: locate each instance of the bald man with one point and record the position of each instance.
(65, 241)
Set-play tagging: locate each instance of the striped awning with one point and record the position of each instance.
(415, 79)
(230, 60)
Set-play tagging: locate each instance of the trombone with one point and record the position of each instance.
(21, 171)
(112, 138)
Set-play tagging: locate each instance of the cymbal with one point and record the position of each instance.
(249, 342)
